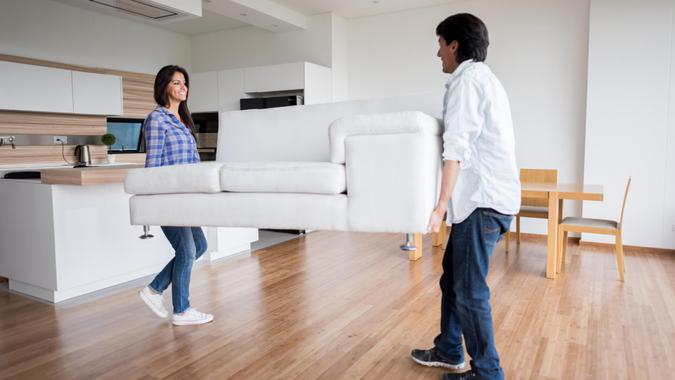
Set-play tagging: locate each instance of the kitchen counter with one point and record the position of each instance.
(92, 175)
(65, 239)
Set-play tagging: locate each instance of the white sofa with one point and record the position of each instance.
(368, 166)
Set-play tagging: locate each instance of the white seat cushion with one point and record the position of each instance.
(283, 177)
(191, 178)
(587, 222)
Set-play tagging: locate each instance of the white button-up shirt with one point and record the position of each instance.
(479, 134)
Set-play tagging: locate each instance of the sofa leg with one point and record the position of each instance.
(146, 233)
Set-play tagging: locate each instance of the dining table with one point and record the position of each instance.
(556, 193)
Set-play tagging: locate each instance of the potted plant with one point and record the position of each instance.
(109, 139)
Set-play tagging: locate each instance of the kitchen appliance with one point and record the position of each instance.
(128, 135)
(206, 134)
(83, 156)
(270, 102)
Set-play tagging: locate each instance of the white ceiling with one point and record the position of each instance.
(209, 22)
(214, 21)
(358, 8)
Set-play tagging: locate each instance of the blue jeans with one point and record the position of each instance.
(190, 244)
(465, 303)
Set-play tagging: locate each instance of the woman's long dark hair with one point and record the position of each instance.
(162, 80)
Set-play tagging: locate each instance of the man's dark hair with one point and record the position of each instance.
(469, 32)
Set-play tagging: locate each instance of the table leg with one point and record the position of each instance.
(552, 242)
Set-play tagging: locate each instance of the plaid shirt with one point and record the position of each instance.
(167, 140)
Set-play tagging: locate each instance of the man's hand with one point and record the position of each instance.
(436, 220)
(450, 173)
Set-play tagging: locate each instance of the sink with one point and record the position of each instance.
(25, 174)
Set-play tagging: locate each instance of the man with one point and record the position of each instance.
(480, 192)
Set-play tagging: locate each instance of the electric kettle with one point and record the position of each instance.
(83, 155)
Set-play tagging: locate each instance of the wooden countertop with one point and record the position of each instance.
(93, 175)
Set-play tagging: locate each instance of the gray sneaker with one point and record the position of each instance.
(431, 358)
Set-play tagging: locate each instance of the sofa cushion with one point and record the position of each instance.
(191, 178)
(283, 177)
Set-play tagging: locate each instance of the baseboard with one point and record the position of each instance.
(578, 241)
(528, 236)
(632, 248)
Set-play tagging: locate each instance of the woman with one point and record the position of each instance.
(169, 140)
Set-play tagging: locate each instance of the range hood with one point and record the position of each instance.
(157, 10)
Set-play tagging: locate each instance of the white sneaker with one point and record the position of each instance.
(154, 301)
(191, 317)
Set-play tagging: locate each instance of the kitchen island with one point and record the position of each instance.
(71, 235)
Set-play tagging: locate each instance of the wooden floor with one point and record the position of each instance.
(350, 306)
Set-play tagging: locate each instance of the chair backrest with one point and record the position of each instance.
(537, 176)
(623, 206)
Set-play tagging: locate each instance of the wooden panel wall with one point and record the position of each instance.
(34, 123)
(39, 154)
(137, 92)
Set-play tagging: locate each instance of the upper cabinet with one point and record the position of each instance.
(221, 90)
(97, 94)
(35, 88)
(289, 76)
(46, 89)
(203, 93)
(230, 89)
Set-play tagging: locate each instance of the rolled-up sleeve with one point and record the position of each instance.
(154, 140)
(463, 120)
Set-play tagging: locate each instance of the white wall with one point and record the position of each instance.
(339, 58)
(630, 124)
(537, 48)
(59, 32)
(251, 46)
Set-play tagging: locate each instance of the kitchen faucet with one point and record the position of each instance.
(10, 139)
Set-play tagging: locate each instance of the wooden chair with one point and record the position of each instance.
(594, 226)
(533, 207)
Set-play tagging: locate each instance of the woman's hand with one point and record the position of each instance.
(435, 220)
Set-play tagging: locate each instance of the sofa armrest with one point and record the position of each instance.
(191, 178)
(392, 181)
(410, 122)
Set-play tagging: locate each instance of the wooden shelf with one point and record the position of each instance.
(93, 175)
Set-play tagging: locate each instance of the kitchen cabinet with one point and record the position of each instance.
(97, 94)
(290, 76)
(61, 241)
(203, 93)
(46, 89)
(231, 89)
(314, 80)
(221, 90)
(35, 88)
